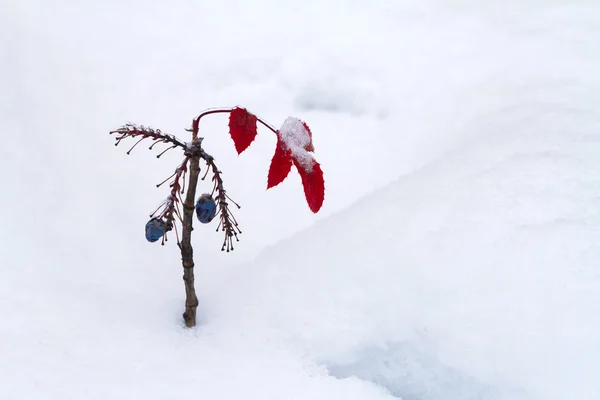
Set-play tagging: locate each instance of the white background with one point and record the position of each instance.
(455, 256)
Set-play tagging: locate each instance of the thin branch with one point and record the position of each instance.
(196, 121)
(164, 151)
(187, 252)
(213, 111)
(227, 222)
(267, 125)
(132, 130)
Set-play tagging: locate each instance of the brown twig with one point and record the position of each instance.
(187, 252)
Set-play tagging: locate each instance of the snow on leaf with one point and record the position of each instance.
(296, 136)
(294, 145)
(281, 164)
(314, 185)
(242, 128)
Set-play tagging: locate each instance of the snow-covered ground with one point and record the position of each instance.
(457, 252)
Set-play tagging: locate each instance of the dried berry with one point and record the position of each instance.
(206, 208)
(155, 229)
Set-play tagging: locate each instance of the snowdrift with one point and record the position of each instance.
(473, 273)
(472, 278)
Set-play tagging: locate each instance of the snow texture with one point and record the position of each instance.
(456, 257)
(296, 138)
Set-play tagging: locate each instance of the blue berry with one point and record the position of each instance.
(206, 208)
(155, 229)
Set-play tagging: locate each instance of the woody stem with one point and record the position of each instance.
(187, 252)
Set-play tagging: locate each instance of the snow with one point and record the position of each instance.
(296, 138)
(456, 255)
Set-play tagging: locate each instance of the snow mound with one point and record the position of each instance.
(490, 254)
(472, 277)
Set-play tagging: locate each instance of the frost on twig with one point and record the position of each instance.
(134, 131)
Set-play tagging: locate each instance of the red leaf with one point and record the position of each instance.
(314, 185)
(309, 147)
(281, 165)
(242, 128)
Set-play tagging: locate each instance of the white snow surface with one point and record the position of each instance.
(456, 256)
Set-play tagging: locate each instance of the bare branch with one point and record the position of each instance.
(132, 131)
(187, 252)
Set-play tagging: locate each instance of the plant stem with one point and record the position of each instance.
(187, 253)
(225, 110)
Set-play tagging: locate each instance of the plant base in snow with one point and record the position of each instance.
(294, 147)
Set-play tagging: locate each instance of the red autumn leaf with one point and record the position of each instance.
(242, 128)
(294, 145)
(309, 147)
(281, 164)
(314, 185)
